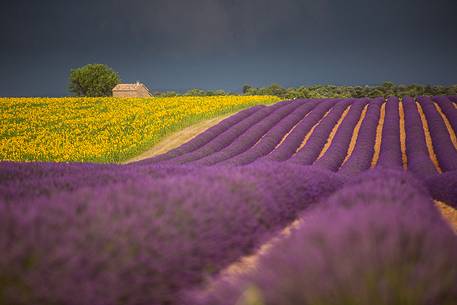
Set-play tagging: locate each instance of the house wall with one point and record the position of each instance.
(143, 92)
(139, 92)
(125, 93)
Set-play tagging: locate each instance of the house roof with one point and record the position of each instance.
(129, 87)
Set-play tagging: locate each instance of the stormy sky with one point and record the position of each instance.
(223, 44)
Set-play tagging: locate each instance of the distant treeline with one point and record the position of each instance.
(329, 91)
(193, 92)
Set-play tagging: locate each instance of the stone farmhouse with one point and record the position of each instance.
(131, 90)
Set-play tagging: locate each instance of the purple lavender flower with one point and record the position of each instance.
(362, 155)
(250, 137)
(448, 109)
(144, 239)
(308, 153)
(390, 155)
(377, 250)
(337, 151)
(419, 161)
(272, 138)
(227, 137)
(295, 138)
(444, 187)
(206, 136)
(444, 149)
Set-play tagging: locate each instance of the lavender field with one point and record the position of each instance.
(357, 177)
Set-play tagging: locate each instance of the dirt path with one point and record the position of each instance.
(178, 138)
(249, 262)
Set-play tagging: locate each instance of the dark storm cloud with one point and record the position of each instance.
(178, 44)
(216, 24)
(200, 25)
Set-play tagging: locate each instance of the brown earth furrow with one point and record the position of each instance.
(355, 135)
(333, 132)
(290, 131)
(308, 135)
(450, 130)
(377, 145)
(428, 139)
(404, 157)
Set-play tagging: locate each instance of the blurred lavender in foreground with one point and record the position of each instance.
(376, 247)
(142, 240)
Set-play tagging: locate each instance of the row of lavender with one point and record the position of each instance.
(94, 234)
(277, 133)
(86, 234)
(379, 240)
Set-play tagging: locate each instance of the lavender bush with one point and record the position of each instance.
(362, 155)
(227, 136)
(206, 136)
(272, 138)
(25, 181)
(390, 154)
(445, 151)
(444, 187)
(250, 137)
(144, 240)
(296, 136)
(308, 153)
(419, 161)
(374, 248)
(448, 109)
(336, 153)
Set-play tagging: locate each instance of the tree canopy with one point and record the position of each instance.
(93, 80)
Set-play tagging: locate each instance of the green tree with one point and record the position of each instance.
(219, 92)
(246, 88)
(253, 91)
(387, 89)
(168, 94)
(452, 90)
(276, 89)
(195, 92)
(93, 80)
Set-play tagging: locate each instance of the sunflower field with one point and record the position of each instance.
(102, 129)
